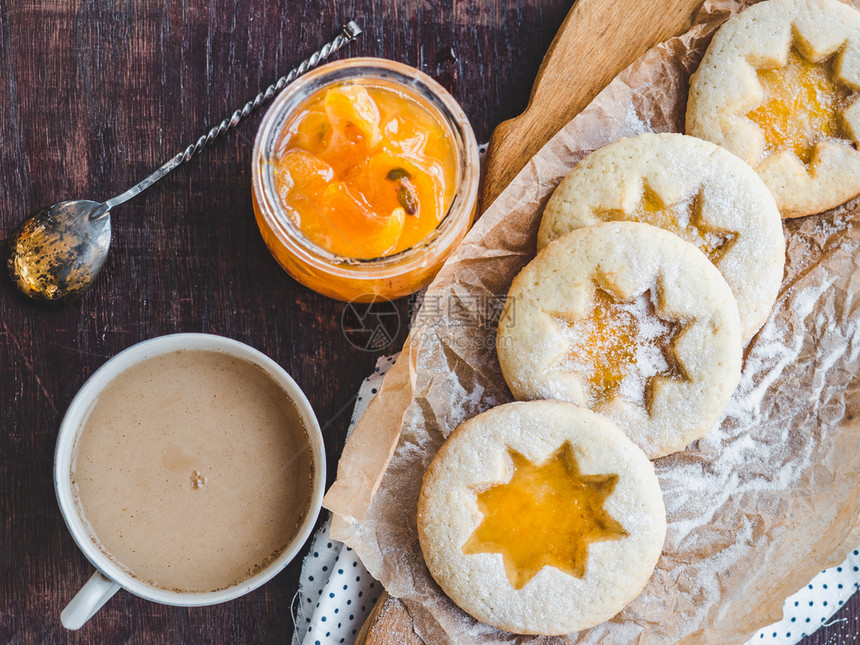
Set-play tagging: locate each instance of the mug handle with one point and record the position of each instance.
(95, 593)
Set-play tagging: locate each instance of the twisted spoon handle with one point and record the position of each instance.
(349, 33)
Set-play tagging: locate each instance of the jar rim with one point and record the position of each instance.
(418, 85)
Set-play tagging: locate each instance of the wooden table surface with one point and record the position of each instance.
(94, 96)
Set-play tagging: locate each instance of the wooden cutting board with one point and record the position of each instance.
(596, 41)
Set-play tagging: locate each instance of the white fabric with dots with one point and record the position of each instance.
(336, 593)
(809, 608)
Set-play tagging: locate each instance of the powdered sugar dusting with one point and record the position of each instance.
(618, 347)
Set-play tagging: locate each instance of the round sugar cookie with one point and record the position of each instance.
(778, 86)
(692, 188)
(541, 518)
(630, 321)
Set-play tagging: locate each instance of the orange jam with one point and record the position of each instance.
(802, 105)
(684, 219)
(365, 171)
(365, 179)
(619, 347)
(546, 515)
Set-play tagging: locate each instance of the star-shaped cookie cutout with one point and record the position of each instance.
(683, 218)
(619, 347)
(804, 103)
(546, 515)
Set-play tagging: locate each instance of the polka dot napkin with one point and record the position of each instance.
(812, 606)
(335, 596)
(336, 593)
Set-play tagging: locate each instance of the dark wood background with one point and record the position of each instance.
(93, 96)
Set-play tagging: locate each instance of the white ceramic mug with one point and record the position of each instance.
(109, 577)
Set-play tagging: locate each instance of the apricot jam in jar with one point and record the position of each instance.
(365, 178)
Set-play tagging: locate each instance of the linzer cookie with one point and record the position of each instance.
(630, 321)
(692, 188)
(541, 518)
(778, 87)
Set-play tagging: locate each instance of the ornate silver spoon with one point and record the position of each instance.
(56, 253)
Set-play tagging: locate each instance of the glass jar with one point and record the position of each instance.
(355, 279)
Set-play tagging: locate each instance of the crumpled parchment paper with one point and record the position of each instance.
(755, 509)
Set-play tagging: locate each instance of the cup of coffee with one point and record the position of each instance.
(190, 470)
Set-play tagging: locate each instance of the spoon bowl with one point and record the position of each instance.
(56, 253)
